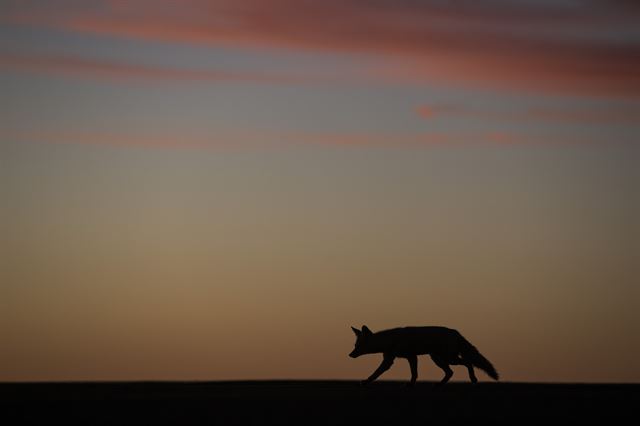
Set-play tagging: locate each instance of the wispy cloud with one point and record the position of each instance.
(224, 140)
(586, 47)
(368, 139)
(77, 66)
(575, 115)
(585, 116)
(233, 141)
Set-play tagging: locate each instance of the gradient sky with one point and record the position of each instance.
(219, 189)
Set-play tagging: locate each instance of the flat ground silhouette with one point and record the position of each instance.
(316, 403)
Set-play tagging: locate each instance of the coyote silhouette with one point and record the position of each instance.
(445, 345)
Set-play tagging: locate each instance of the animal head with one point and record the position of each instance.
(363, 342)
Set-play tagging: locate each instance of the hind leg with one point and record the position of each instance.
(444, 365)
(472, 374)
(461, 361)
(413, 364)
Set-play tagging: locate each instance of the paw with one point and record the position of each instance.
(364, 382)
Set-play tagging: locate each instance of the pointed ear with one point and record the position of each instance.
(365, 330)
(356, 331)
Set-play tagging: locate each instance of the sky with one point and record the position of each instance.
(216, 190)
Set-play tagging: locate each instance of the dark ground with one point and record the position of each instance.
(316, 402)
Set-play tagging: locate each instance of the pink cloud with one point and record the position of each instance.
(355, 139)
(503, 138)
(83, 67)
(124, 139)
(581, 115)
(555, 48)
(584, 115)
(426, 111)
(254, 140)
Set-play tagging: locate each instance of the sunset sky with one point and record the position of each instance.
(208, 190)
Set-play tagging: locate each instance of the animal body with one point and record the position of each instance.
(446, 347)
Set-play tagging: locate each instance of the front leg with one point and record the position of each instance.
(387, 362)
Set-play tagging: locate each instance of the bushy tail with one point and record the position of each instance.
(470, 353)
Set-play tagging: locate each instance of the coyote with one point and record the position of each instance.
(445, 345)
